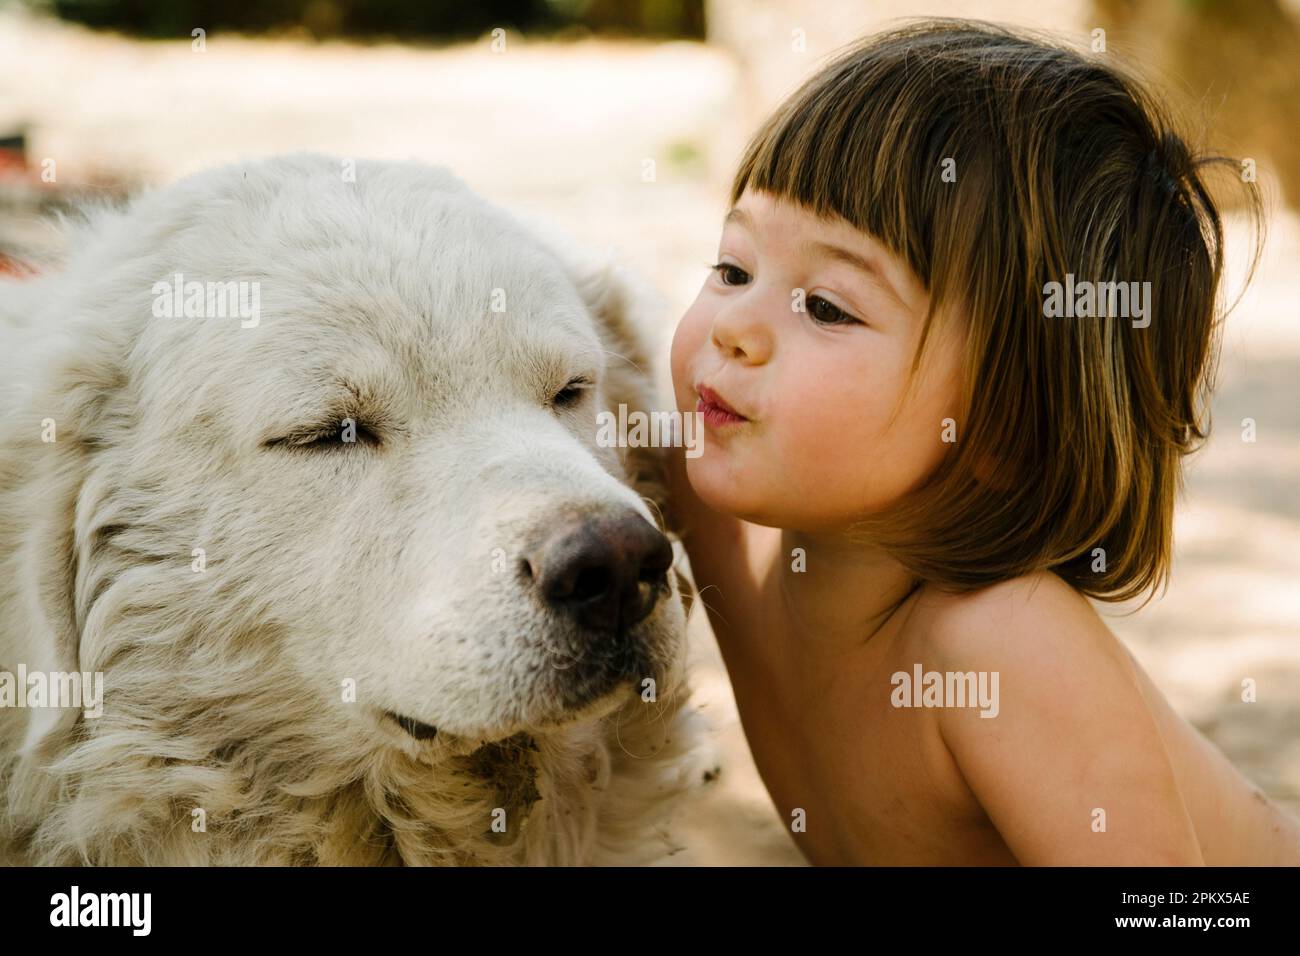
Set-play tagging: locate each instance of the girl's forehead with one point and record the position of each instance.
(759, 210)
(757, 202)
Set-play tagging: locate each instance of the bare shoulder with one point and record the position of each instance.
(1073, 768)
(1036, 604)
(1086, 762)
(1055, 657)
(1028, 621)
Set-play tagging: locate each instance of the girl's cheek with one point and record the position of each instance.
(677, 357)
(687, 341)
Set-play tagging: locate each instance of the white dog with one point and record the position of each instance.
(303, 467)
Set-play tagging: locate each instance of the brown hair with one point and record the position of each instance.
(1072, 429)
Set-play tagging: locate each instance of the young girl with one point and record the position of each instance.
(918, 463)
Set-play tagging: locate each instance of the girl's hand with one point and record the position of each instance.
(729, 557)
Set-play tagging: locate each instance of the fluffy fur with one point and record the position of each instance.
(390, 567)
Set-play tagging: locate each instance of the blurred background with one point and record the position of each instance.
(620, 121)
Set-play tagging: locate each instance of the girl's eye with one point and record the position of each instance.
(829, 314)
(731, 274)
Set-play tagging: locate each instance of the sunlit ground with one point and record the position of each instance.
(561, 132)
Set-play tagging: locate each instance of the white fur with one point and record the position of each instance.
(383, 566)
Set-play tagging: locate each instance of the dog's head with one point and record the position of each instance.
(336, 425)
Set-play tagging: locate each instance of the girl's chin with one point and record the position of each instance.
(745, 507)
(720, 492)
(717, 487)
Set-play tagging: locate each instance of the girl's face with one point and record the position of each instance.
(809, 444)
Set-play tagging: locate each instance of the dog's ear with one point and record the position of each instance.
(631, 321)
(67, 390)
(630, 318)
(629, 314)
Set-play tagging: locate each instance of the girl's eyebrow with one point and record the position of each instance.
(739, 217)
(861, 263)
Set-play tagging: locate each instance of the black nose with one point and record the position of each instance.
(606, 572)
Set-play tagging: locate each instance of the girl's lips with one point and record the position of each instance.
(715, 410)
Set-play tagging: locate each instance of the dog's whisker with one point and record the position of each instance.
(699, 596)
(659, 515)
(617, 355)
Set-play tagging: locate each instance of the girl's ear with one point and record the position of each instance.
(66, 394)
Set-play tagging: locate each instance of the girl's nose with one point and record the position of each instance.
(739, 332)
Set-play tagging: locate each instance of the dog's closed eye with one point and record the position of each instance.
(343, 433)
(572, 393)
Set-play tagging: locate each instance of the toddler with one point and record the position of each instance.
(956, 343)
